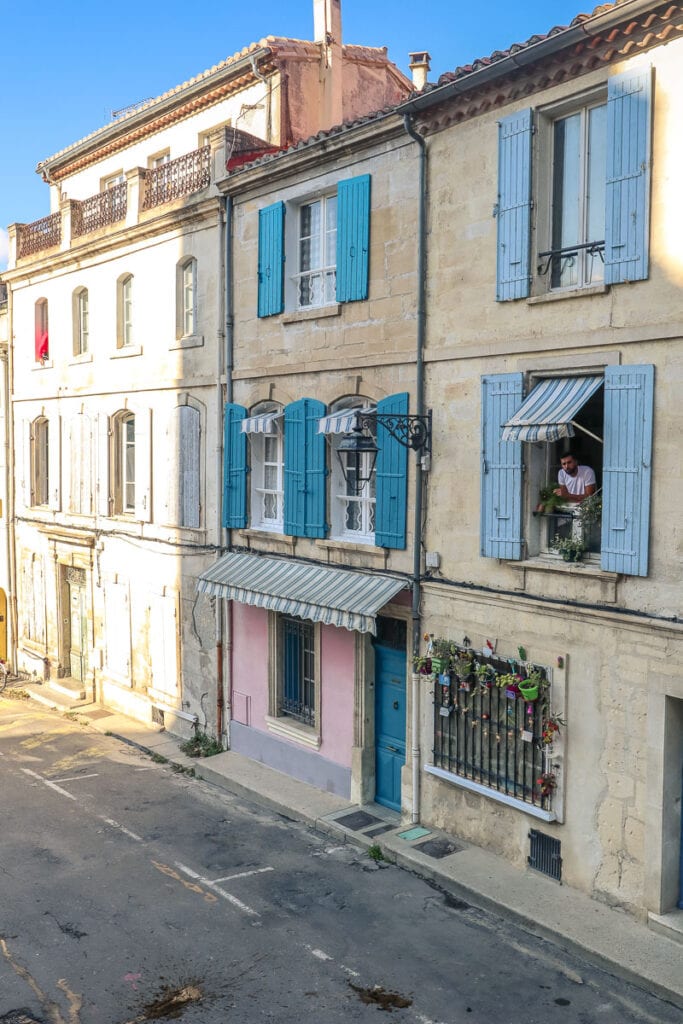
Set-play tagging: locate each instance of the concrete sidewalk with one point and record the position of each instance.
(609, 938)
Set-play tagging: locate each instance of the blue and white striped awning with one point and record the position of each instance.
(341, 422)
(337, 597)
(264, 423)
(547, 412)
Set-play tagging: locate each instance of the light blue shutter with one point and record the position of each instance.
(271, 259)
(501, 469)
(626, 469)
(234, 468)
(305, 469)
(391, 478)
(514, 206)
(353, 238)
(627, 193)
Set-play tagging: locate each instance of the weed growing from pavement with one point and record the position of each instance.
(159, 759)
(201, 745)
(375, 852)
(17, 695)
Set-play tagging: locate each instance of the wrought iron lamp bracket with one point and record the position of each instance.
(412, 431)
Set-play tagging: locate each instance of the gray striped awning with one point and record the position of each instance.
(337, 597)
(341, 422)
(265, 423)
(547, 412)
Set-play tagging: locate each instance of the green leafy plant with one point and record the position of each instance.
(571, 548)
(590, 509)
(201, 745)
(375, 853)
(548, 500)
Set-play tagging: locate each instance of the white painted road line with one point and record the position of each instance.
(242, 874)
(77, 778)
(319, 954)
(52, 785)
(216, 888)
(121, 828)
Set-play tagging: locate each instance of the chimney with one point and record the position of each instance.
(328, 35)
(419, 66)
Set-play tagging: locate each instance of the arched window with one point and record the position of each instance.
(124, 311)
(352, 512)
(40, 462)
(81, 321)
(42, 347)
(124, 464)
(186, 298)
(264, 427)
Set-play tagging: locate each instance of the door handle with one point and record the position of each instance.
(394, 750)
(395, 705)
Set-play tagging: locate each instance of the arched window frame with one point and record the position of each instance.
(42, 343)
(186, 298)
(81, 321)
(267, 473)
(123, 463)
(124, 311)
(352, 514)
(40, 461)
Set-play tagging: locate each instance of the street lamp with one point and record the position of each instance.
(357, 451)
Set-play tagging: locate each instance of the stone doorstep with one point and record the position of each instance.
(68, 687)
(670, 924)
(61, 700)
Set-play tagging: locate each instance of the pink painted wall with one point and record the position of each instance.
(336, 697)
(250, 680)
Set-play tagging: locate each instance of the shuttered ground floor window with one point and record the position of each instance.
(297, 682)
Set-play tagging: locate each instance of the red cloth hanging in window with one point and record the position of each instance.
(42, 347)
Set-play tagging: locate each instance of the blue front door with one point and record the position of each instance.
(390, 710)
(680, 890)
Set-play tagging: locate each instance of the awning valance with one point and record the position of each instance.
(341, 422)
(547, 412)
(337, 597)
(265, 423)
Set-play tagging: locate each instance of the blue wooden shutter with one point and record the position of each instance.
(501, 469)
(271, 259)
(305, 469)
(391, 479)
(234, 468)
(626, 469)
(353, 238)
(627, 193)
(514, 206)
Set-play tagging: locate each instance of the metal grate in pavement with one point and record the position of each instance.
(379, 831)
(358, 820)
(438, 848)
(414, 833)
(99, 713)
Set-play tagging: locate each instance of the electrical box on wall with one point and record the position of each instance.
(432, 560)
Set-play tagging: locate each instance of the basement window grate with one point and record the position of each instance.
(545, 854)
(157, 716)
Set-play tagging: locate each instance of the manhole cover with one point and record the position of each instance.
(357, 820)
(379, 831)
(101, 713)
(438, 848)
(19, 1017)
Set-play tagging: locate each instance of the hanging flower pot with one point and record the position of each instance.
(528, 690)
(438, 665)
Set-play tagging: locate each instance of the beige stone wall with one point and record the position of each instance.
(622, 670)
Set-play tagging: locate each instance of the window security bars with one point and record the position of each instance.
(99, 211)
(298, 683)
(175, 178)
(40, 234)
(491, 735)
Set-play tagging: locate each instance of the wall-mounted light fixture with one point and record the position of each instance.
(357, 451)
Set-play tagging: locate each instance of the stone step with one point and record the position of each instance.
(62, 699)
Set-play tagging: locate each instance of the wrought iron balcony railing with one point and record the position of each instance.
(40, 234)
(189, 173)
(100, 210)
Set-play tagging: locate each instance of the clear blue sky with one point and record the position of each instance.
(66, 66)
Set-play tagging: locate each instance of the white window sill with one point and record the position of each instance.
(568, 293)
(290, 729)
(492, 794)
(357, 545)
(45, 364)
(188, 341)
(554, 563)
(275, 530)
(83, 357)
(314, 313)
(127, 350)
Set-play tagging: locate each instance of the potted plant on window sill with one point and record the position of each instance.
(571, 549)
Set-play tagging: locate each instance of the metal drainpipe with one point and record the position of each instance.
(419, 481)
(8, 385)
(226, 654)
(269, 105)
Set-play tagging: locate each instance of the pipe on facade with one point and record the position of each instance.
(228, 361)
(8, 385)
(419, 472)
(220, 363)
(269, 100)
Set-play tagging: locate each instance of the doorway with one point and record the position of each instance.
(390, 710)
(75, 624)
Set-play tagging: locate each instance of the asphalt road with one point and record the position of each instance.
(130, 893)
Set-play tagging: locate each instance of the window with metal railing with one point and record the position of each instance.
(297, 684)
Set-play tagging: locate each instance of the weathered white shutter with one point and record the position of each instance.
(38, 582)
(117, 629)
(143, 465)
(23, 450)
(104, 466)
(188, 465)
(54, 463)
(164, 644)
(171, 488)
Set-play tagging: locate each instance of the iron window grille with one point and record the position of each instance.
(297, 697)
(492, 735)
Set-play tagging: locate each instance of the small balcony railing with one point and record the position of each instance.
(100, 210)
(40, 234)
(188, 173)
